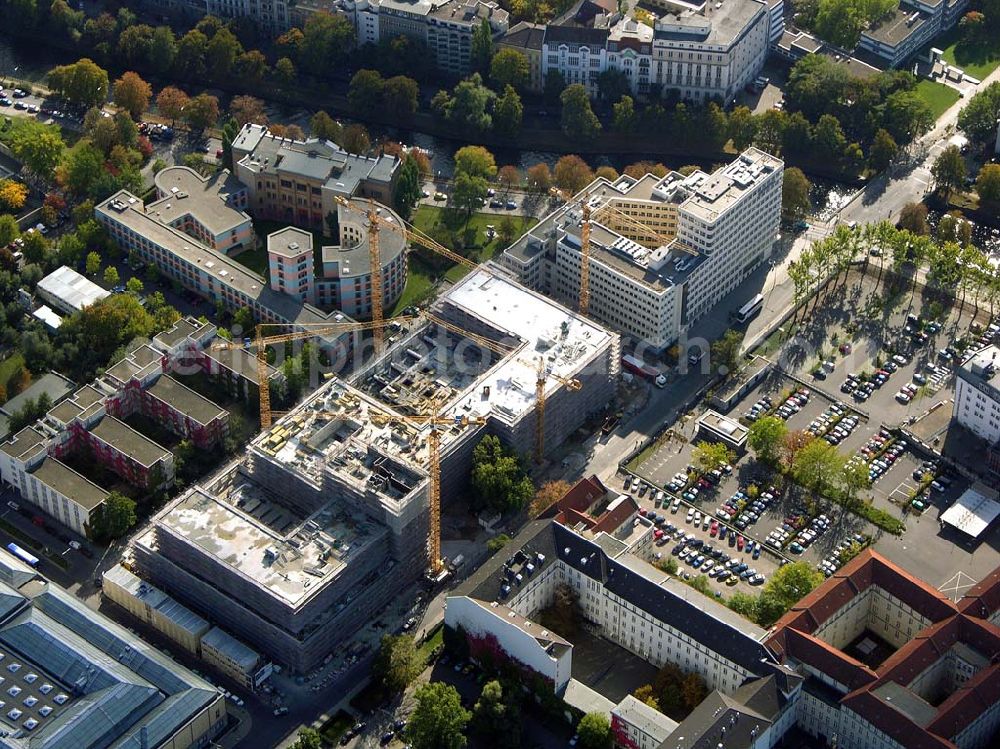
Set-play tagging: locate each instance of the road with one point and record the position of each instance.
(886, 195)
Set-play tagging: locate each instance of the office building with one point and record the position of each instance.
(74, 678)
(325, 518)
(697, 238)
(977, 394)
(299, 182)
(197, 226)
(893, 40)
(699, 51)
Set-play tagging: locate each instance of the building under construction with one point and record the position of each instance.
(326, 517)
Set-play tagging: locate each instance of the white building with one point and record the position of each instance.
(977, 394)
(701, 236)
(68, 291)
(707, 49)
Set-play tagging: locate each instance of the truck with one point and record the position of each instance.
(639, 367)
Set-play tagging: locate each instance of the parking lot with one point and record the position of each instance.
(907, 353)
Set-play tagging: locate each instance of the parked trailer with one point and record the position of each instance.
(30, 559)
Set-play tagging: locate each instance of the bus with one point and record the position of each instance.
(17, 551)
(749, 309)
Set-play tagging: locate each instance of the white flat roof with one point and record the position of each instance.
(47, 316)
(973, 512)
(71, 288)
(563, 338)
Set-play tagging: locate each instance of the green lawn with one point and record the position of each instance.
(431, 644)
(978, 59)
(938, 96)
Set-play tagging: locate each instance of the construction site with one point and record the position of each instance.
(335, 508)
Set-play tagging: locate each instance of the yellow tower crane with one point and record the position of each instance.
(434, 473)
(310, 330)
(584, 304)
(542, 374)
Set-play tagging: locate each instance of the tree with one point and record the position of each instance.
(499, 481)
(111, 276)
(397, 663)
(285, 71)
(12, 195)
(323, 126)
(308, 738)
(949, 170)
(538, 178)
(547, 495)
(508, 177)
(510, 67)
(481, 50)
(726, 352)
(202, 111)
(326, 40)
(365, 91)
(93, 263)
(221, 53)
(134, 286)
(817, 465)
(355, 139)
(171, 102)
(623, 115)
(496, 543)
(35, 247)
(9, 230)
(578, 119)
(743, 604)
(795, 193)
(508, 113)
(711, 456)
(742, 127)
(829, 138)
(401, 96)
(883, 150)
(693, 690)
(606, 172)
(853, 478)
(438, 721)
(252, 66)
(785, 588)
(497, 716)
(572, 174)
(766, 436)
(245, 109)
(132, 94)
(468, 192)
(475, 161)
(907, 116)
(913, 218)
(408, 189)
(979, 117)
(469, 104)
(113, 518)
(162, 49)
(988, 183)
(83, 82)
(594, 731)
(39, 147)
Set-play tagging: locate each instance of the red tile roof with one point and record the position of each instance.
(950, 624)
(574, 505)
(983, 598)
